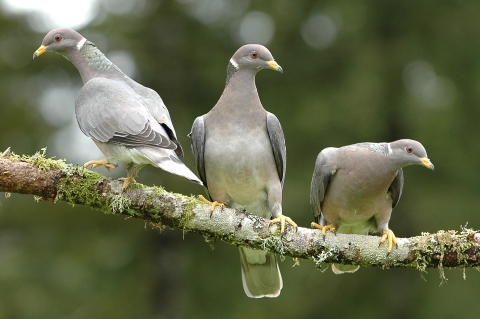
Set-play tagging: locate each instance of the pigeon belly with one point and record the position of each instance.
(115, 153)
(354, 205)
(238, 174)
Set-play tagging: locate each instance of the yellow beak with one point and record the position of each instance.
(426, 162)
(274, 65)
(40, 51)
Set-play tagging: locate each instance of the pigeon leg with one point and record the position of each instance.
(213, 204)
(132, 170)
(126, 181)
(324, 229)
(390, 237)
(102, 162)
(282, 219)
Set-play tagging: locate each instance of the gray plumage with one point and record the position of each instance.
(239, 151)
(127, 121)
(355, 188)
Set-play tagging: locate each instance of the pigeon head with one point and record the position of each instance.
(62, 41)
(410, 152)
(254, 57)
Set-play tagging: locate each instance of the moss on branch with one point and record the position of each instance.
(50, 179)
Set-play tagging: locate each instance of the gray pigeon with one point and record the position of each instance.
(239, 150)
(355, 188)
(127, 121)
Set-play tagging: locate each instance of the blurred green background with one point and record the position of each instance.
(354, 72)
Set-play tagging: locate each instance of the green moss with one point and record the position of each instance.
(40, 160)
(429, 245)
(188, 204)
(74, 190)
(154, 192)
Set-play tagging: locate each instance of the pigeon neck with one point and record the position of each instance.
(91, 62)
(396, 160)
(242, 82)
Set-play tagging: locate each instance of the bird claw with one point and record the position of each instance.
(98, 163)
(324, 229)
(282, 219)
(389, 236)
(127, 181)
(212, 204)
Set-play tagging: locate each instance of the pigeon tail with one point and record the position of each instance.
(339, 269)
(260, 273)
(168, 161)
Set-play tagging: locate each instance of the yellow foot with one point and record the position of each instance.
(390, 236)
(213, 204)
(102, 162)
(282, 219)
(127, 181)
(324, 229)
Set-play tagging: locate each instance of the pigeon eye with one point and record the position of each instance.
(254, 55)
(58, 37)
(409, 149)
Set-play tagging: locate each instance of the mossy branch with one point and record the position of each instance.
(50, 179)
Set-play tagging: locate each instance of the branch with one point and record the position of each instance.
(50, 179)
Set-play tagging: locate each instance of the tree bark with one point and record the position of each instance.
(49, 179)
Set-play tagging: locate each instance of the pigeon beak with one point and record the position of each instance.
(274, 66)
(426, 162)
(40, 51)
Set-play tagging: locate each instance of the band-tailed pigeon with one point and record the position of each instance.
(127, 121)
(239, 150)
(355, 188)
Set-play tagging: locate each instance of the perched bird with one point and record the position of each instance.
(239, 150)
(127, 121)
(355, 188)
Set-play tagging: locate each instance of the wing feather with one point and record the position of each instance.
(197, 142)
(110, 111)
(277, 140)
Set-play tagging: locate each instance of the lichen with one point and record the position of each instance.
(434, 246)
(322, 257)
(210, 240)
(119, 203)
(424, 247)
(296, 262)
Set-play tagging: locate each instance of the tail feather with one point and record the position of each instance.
(169, 161)
(260, 273)
(342, 269)
(361, 228)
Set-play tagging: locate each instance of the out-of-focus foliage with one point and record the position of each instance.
(354, 71)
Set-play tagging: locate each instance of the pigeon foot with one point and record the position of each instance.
(213, 204)
(126, 181)
(389, 236)
(98, 163)
(282, 219)
(324, 229)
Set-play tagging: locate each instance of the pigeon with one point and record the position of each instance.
(127, 121)
(355, 188)
(240, 154)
